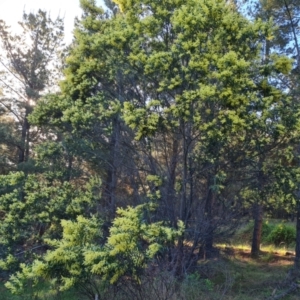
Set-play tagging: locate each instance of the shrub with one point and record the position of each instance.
(79, 260)
(247, 232)
(282, 233)
(267, 228)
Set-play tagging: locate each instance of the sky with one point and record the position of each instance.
(11, 11)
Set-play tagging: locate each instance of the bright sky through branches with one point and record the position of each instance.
(11, 11)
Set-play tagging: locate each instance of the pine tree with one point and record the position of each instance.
(285, 40)
(30, 68)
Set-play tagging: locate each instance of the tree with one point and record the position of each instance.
(8, 146)
(31, 67)
(33, 202)
(190, 84)
(169, 104)
(286, 40)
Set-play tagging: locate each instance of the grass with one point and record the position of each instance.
(241, 277)
(232, 276)
(243, 236)
(264, 248)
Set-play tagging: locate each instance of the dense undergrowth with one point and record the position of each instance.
(232, 275)
(229, 277)
(274, 233)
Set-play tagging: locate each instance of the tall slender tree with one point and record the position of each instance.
(285, 15)
(30, 66)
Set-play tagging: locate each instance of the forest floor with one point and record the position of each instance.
(236, 275)
(232, 276)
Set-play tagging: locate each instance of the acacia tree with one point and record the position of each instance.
(190, 84)
(169, 104)
(209, 87)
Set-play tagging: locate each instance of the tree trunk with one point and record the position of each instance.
(207, 250)
(297, 258)
(257, 230)
(170, 192)
(178, 268)
(24, 147)
(111, 182)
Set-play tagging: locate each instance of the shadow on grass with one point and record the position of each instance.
(234, 275)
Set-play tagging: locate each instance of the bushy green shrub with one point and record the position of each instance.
(247, 232)
(267, 228)
(282, 233)
(271, 233)
(78, 259)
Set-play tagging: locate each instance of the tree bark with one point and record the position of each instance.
(297, 257)
(24, 148)
(209, 234)
(170, 197)
(111, 182)
(257, 230)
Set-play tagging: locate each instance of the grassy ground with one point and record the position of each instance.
(238, 276)
(234, 275)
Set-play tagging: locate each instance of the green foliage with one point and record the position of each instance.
(132, 244)
(231, 279)
(272, 233)
(186, 79)
(78, 256)
(32, 208)
(246, 232)
(64, 265)
(282, 234)
(170, 102)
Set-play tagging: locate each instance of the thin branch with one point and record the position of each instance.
(12, 111)
(294, 32)
(1, 62)
(20, 95)
(36, 247)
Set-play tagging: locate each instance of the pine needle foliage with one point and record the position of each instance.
(78, 258)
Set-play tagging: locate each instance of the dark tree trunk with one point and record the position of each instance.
(208, 249)
(297, 258)
(170, 197)
(24, 147)
(257, 230)
(178, 268)
(111, 181)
